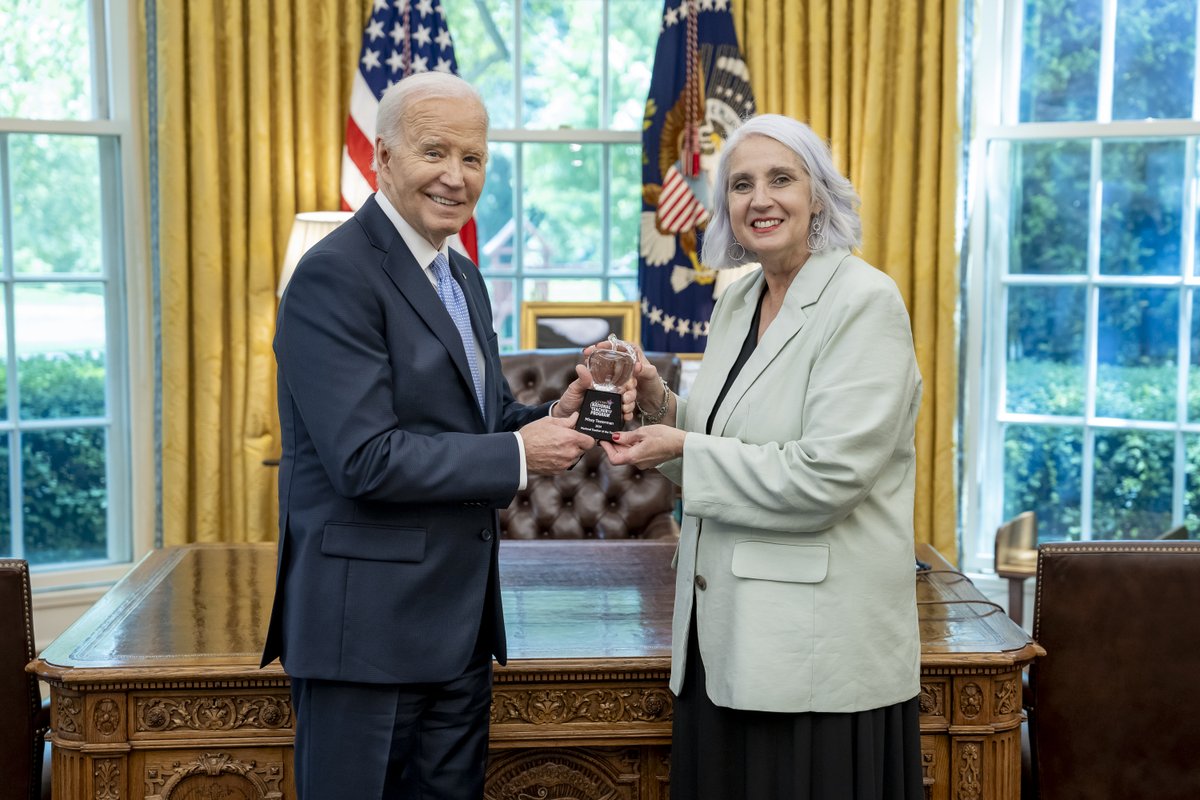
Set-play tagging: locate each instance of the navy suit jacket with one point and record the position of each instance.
(391, 477)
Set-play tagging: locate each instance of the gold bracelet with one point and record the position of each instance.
(654, 417)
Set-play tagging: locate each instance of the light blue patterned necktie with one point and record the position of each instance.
(452, 297)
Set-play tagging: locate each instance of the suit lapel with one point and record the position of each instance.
(475, 305)
(804, 292)
(719, 355)
(404, 271)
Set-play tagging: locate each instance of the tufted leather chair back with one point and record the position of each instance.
(1113, 706)
(23, 721)
(594, 500)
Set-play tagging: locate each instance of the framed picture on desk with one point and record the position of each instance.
(550, 324)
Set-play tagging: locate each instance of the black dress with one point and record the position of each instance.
(728, 754)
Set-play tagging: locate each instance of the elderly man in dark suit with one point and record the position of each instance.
(401, 440)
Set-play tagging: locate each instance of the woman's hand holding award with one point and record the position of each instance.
(611, 368)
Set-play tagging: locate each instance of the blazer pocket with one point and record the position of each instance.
(788, 563)
(373, 542)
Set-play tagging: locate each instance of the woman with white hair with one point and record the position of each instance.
(796, 655)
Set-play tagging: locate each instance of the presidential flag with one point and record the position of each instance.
(402, 37)
(699, 92)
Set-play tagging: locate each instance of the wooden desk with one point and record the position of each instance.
(156, 694)
(972, 656)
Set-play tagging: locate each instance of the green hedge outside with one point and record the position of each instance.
(1134, 470)
(65, 502)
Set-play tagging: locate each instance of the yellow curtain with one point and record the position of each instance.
(879, 79)
(251, 112)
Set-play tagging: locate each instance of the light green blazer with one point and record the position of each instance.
(797, 538)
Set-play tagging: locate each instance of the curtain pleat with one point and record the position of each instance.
(879, 80)
(251, 109)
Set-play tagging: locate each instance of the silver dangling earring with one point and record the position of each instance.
(816, 234)
(739, 255)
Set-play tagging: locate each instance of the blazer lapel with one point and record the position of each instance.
(475, 305)
(404, 271)
(719, 355)
(804, 292)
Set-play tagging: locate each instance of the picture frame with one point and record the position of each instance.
(550, 324)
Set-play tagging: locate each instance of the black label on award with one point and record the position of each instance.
(600, 414)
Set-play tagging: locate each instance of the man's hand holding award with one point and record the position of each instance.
(611, 368)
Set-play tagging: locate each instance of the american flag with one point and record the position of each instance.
(401, 38)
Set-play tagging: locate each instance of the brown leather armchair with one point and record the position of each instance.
(1113, 706)
(24, 721)
(594, 499)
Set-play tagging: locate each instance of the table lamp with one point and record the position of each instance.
(308, 228)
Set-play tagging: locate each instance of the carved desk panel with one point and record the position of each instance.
(156, 694)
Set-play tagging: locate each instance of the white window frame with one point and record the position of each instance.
(996, 74)
(63, 591)
(606, 137)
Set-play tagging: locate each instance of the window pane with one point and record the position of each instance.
(1043, 466)
(1193, 383)
(565, 290)
(1136, 351)
(504, 311)
(561, 57)
(1060, 60)
(1134, 482)
(1196, 219)
(45, 60)
(60, 349)
(625, 198)
(1142, 218)
(1050, 207)
(561, 184)
(1191, 486)
(65, 495)
(1155, 59)
(494, 213)
(3, 362)
(483, 36)
(55, 203)
(631, 46)
(623, 290)
(1045, 372)
(6, 543)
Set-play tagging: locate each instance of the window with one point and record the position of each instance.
(565, 84)
(64, 421)
(1083, 340)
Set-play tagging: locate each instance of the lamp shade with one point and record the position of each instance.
(308, 228)
(726, 276)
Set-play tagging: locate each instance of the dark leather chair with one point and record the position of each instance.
(594, 499)
(24, 721)
(1113, 706)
